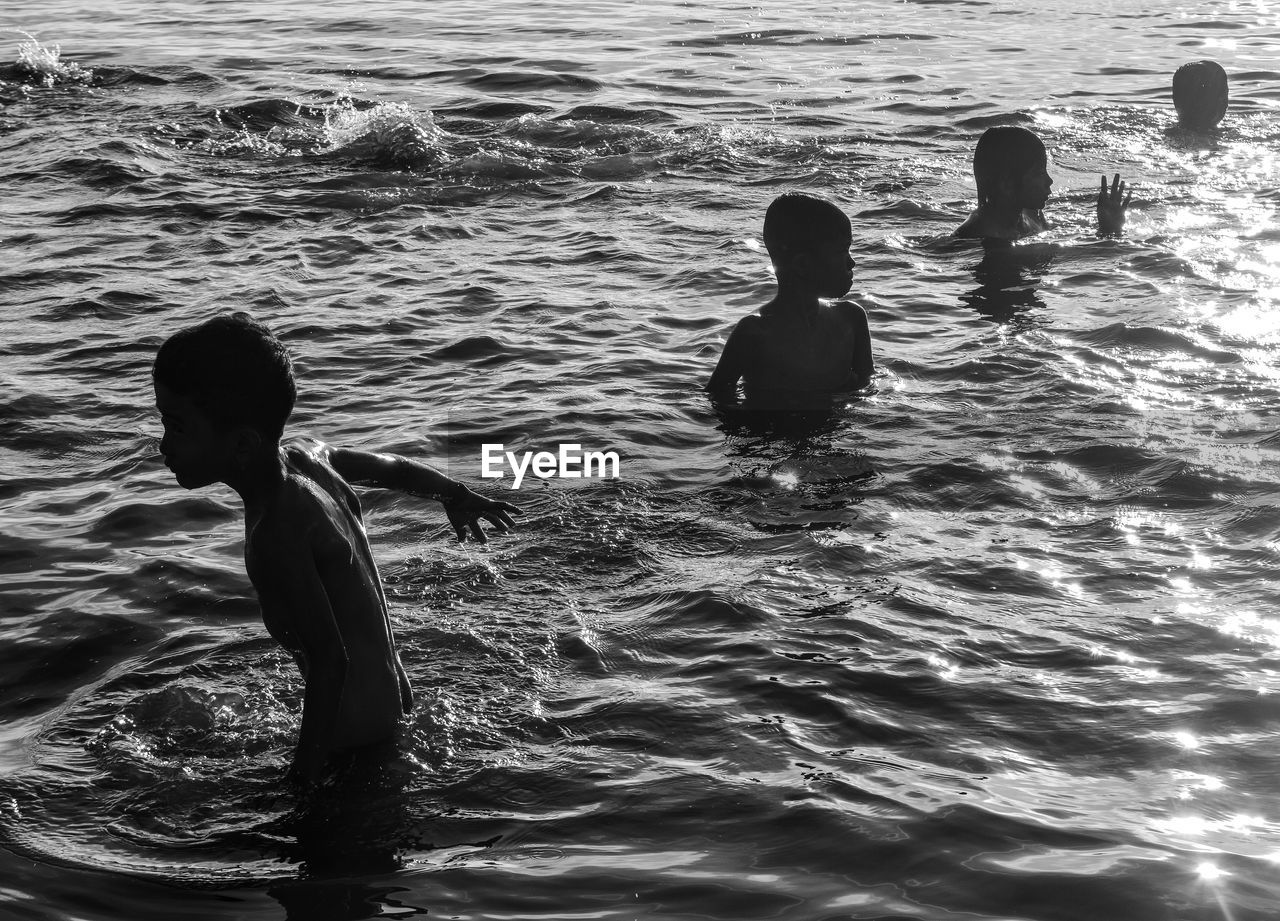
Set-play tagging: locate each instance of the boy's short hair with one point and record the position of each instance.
(796, 222)
(1200, 93)
(233, 369)
(1006, 151)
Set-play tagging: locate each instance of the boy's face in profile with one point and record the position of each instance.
(826, 267)
(833, 267)
(194, 447)
(1034, 186)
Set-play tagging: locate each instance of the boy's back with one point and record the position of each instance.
(309, 560)
(781, 357)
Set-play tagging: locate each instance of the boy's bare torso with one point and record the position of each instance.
(803, 354)
(313, 524)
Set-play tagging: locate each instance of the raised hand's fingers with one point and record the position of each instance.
(477, 532)
(1102, 192)
(1128, 195)
(1116, 186)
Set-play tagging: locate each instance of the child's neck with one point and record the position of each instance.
(794, 300)
(258, 482)
(1007, 218)
(999, 211)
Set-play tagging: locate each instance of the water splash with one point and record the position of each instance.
(389, 132)
(41, 64)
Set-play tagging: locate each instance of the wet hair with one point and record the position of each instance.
(797, 223)
(1200, 93)
(233, 369)
(1004, 153)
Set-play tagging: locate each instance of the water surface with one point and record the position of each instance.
(994, 641)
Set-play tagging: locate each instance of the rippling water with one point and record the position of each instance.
(998, 641)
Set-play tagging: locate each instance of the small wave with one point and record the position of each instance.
(128, 76)
(603, 113)
(797, 37)
(483, 349)
(1124, 336)
(110, 166)
(265, 114)
(138, 520)
(497, 109)
(982, 122)
(575, 132)
(1200, 24)
(529, 80)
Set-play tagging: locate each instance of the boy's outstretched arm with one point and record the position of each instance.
(1112, 205)
(733, 362)
(391, 471)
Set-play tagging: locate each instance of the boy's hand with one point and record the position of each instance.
(465, 509)
(1112, 205)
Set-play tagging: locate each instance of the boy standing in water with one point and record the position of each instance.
(1011, 169)
(1200, 95)
(224, 390)
(796, 345)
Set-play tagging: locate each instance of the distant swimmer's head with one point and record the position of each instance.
(1011, 169)
(808, 239)
(1200, 94)
(224, 390)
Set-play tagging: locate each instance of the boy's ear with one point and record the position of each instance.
(246, 445)
(792, 262)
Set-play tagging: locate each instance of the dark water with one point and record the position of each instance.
(997, 641)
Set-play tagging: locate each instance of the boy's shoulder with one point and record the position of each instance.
(848, 311)
(854, 306)
(310, 459)
(851, 312)
(975, 227)
(747, 331)
(305, 451)
(314, 496)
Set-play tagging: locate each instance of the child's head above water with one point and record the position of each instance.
(1011, 169)
(808, 238)
(797, 223)
(1200, 94)
(226, 376)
